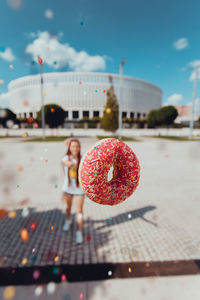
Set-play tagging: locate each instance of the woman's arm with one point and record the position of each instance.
(68, 163)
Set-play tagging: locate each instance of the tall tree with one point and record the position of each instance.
(109, 121)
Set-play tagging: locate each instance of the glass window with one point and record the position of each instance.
(86, 113)
(75, 114)
(144, 115)
(132, 114)
(66, 114)
(124, 114)
(138, 115)
(95, 113)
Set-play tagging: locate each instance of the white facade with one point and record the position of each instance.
(82, 94)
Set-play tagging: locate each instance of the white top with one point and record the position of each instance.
(72, 189)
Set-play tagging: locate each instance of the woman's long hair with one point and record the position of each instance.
(78, 162)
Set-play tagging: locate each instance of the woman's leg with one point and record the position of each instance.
(79, 212)
(68, 200)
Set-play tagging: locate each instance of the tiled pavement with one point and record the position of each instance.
(140, 229)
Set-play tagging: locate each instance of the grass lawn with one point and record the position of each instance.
(174, 138)
(124, 138)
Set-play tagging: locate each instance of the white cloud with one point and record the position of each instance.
(174, 99)
(4, 100)
(58, 55)
(49, 14)
(181, 44)
(7, 55)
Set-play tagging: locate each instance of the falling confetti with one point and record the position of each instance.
(24, 261)
(81, 295)
(89, 238)
(25, 103)
(20, 168)
(24, 235)
(108, 110)
(35, 125)
(52, 110)
(80, 82)
(3, 213)
(36, 274)
(55, 270)
(25, 135)
(11, 67)
(24, 202)
(56, 258)
(12, 214)
(109, 273)
(30, 120)
(51, 287)
(33, 226)
(129, 216)
(52, 227)
(63, 277)
(166, 155)
(129, 269)
(1, 81)
(25, 212)
(14, 4)
(55, 186)
(9, 292)
(38, 291)
(40, 61)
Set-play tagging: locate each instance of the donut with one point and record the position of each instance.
(94, 168)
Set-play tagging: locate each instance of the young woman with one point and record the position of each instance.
(71, 187)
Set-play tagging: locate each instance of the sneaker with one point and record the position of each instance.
(79, 237)
(67, 224)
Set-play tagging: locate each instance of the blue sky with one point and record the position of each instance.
(159, 39)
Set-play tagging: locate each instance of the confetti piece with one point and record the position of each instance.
(24, 202)
(9, 292)
(129, 269)
(34, 258)
(12, 214)
(55, 186)
(52, 227)
(89, 238)
(25, 212)
(129, 216)
(81, 23)
(33, 226)
(35, 125)
(25, 135)
(52, 110)
(110, 218)
(109, 273)
(24, 235)
(17, 185)
(108, 110)
(104, 91)
(80, 82)
(40, 61)
(24, 261)
(33, 250)
(55, 270)
(81, 295)
(166, 155)
(3, 213)
(51, 287)
(46, 160)
(44, 94)
(147, 265)
(30, 120)
(63, 277)
(56, 258)
(38, 291)
(1, 81)
(20, 168)
(36, 274)
(11, 67)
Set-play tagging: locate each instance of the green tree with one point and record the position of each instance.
(54, 115)
(6, 115)
(109, 121)
(168, 114)
(153, 118)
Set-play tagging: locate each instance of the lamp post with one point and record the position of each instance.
(193, 101)
(120, 97)
(40, 61)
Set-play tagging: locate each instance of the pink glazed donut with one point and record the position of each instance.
(94, 168)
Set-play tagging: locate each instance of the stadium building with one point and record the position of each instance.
(82, 94)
